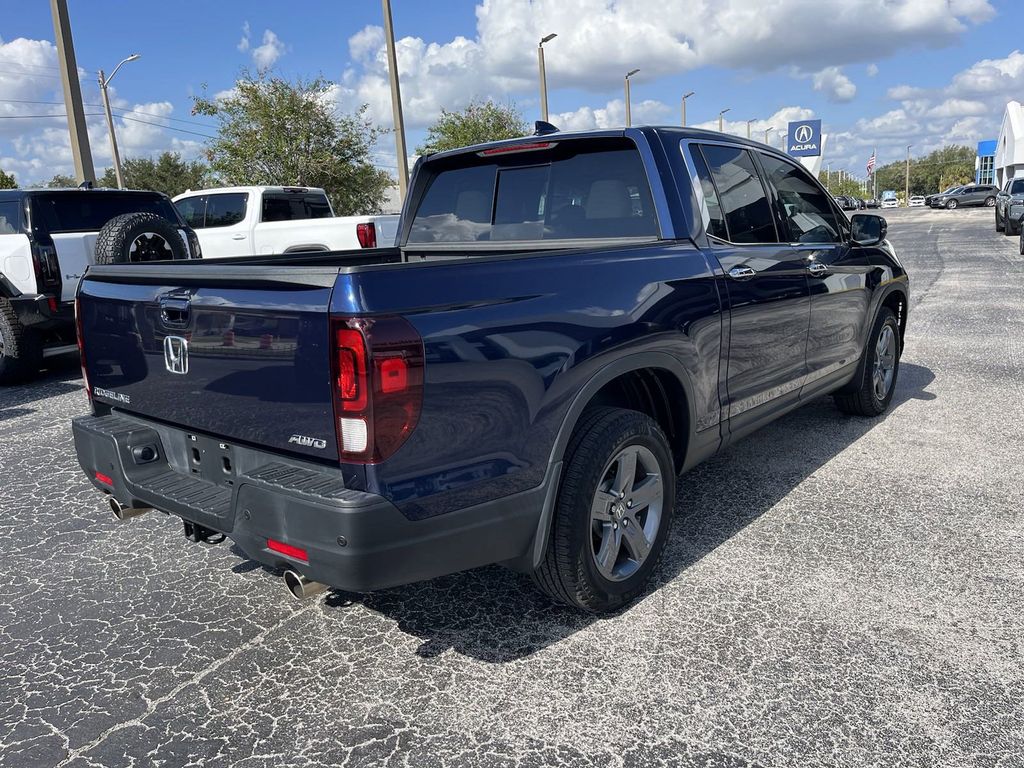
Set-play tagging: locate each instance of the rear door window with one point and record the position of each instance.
(568, 190)
(744, 201)
(1017, 187)
(89, 210)
(10, 217)
(716, 218)
(290, 207)
(193, 211)
(225, 209)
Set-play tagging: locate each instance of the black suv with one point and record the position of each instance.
(47, 239)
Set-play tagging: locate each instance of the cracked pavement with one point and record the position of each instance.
(836, 592)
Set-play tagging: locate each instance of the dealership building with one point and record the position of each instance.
(1008, 160)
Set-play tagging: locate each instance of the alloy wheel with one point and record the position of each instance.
(885, 362)
(149, 246)
(626, 513)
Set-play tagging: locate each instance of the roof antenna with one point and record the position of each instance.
(543, 128)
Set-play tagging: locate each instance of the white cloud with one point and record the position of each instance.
(836, 86)
(612, 115)
(872, 70)
(264, 56)
(243, 44)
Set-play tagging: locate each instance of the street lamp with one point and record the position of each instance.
(396, 101)
(720, 123)
(685, 97)
(629, 74)
(543, 75)
(748, 127)
(104, 82)
(767, 131)
(906, 189)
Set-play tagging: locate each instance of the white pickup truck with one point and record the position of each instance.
(251, 221)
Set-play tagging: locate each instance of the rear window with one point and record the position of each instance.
(88, 211)
(10, 217)
(561, 191)
(293, 206)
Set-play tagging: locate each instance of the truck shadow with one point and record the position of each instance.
(56, 379)
(495, 615)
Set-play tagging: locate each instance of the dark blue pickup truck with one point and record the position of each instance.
(568, 322)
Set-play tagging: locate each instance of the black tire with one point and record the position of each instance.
(569, 573)
(1011, 228)
(950, 204)
(20, 353)
(138, 237)
(1021, 244)
(1000, 226)
(864, 400)
(990, 202)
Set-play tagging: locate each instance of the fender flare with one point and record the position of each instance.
(606, 374)
(8, 290)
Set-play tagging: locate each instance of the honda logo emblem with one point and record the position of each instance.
(803, 134)
(176, 354)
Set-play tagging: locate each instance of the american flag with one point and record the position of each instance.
(871, 163)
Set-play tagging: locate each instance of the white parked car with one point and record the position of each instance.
(891, 202)
(916, 201)
(248, 221)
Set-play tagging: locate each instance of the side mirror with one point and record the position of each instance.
(868, 229)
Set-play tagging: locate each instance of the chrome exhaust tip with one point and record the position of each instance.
(121, 512)
(301, 587)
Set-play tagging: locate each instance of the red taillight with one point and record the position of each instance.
(378, 376)
(367, 235)
(81, 347)
(287, 549)
(51, 302)
(105, 479)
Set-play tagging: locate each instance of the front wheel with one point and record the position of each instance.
(879, 369)
(613, 512)
(990, 202)
(1000, 226)
(950, 204)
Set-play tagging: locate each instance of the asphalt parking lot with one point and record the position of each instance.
(836, 592)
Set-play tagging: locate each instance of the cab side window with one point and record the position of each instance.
(803, 207)
(748, 215)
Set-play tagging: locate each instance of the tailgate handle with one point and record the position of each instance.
(174, 311)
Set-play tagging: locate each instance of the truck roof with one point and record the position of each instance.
(252, 189)
(673, 131)
(15, 194)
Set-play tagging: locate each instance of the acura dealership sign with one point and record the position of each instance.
(804, 139)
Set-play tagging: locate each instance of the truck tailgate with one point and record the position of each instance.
(240, 353)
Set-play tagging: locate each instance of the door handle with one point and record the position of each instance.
(238, 237)
(817, 269)
(741, 273)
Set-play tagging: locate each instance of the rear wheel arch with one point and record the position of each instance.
(654, 383)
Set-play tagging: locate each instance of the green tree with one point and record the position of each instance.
(929, 173)
(61, 180)
(168, 174)
(273, 131)
(480, 122)
(7, 180)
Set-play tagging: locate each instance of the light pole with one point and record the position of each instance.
(685, 97)
(768, 131)
(720, 122)
(629, 120)
(906, 189)
(748, 127)
(396, 102)
(104, 82)
(80, 151)
(543, 75)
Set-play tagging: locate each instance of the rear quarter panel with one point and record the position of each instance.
(509, 344)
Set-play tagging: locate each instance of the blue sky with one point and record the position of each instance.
(883, 73)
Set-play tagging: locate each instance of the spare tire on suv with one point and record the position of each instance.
(137, 237)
